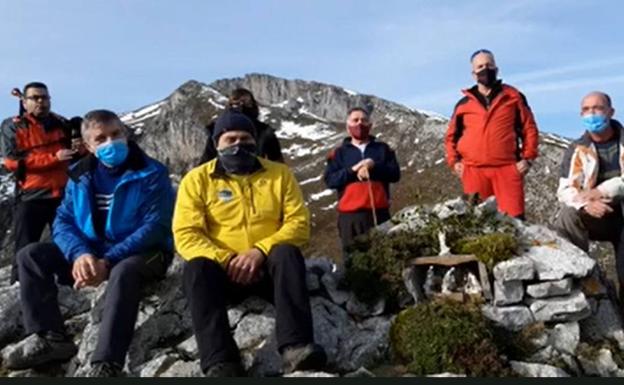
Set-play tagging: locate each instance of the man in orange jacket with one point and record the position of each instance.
(35, 146)
(492, 138)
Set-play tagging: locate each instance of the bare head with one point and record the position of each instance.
(358, 124)
(481, 62)
(597, 102)
(100, 127)
(36, 100)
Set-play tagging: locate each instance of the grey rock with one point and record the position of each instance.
(412, 284)
(265, 361)
(487, 206)
(515, 269)
(183, 369)
(605, 323)
(360, 309)
(157, 366)
(253, 329)
(450, 208)
(527, 369)
(332, 326)
(446, 375)
(550, 288)
(188, 348)
(73, 302)
(310, 374)
(573, 307)
(256, 305)
(509, 317)
(367, 344)
(557, 262)
(565, 337)
(10, 314)
(360, 372)
(312, 281)
(320, 266)
(603, 365)
(508, 292)
(330, 282)
(235, 314)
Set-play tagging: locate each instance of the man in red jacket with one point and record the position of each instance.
(36, 148)
(492, 138)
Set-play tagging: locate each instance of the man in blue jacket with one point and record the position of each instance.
(114, 224)
(361, 170)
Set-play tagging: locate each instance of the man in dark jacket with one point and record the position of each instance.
(36, 149)
(361, 170)
(267, 144)
(114, 224)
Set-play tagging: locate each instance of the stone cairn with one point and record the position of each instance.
(550, 281)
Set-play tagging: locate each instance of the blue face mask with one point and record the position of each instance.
(595, 123)
(113, 153)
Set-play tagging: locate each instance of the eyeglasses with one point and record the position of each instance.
(43, 98)
(485, 51)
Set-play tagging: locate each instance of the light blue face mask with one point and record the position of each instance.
(113, 153)
(595, 123)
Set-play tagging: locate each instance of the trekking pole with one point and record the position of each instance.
(372, 199)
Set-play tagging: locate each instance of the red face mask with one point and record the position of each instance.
(359, 131)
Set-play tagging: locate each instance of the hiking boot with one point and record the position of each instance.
(104, 369)
(39, 349)
(303, 357)
(225, 369)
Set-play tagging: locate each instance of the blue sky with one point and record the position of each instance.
(123, 54)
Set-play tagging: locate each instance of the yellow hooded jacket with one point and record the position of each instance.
(218, 216)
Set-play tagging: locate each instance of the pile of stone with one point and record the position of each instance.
(353, 334)
(549, 282)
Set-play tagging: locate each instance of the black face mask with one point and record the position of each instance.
(487, 76)
(239, 158)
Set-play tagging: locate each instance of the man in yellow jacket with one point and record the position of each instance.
(239, 222)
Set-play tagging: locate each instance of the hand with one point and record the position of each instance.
(523, 167)
(597, 208)
(362, 174)
(368, 163)
(89, 271)
(458, 169)
(590, 195)
(76, 144)
(245, 268)
(64, 154)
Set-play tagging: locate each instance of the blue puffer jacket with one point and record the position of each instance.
(139, 219)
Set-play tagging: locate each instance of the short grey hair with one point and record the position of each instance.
(99, 117)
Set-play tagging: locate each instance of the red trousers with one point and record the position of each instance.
(504, 182)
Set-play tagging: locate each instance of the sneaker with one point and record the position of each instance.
(104, 369)
(225, 369)
(303, 357)
(39, 349)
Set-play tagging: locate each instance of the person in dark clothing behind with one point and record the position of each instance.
(114, 224)
(361, 170)
(267, 146)
(35, 147)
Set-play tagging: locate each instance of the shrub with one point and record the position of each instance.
(443, 336)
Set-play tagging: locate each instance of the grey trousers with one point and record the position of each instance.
(580, 228)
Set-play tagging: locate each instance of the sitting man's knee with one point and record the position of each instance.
(200, 264)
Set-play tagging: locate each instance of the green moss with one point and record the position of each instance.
(489, 248)
(377, 260)
(441, 336)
